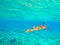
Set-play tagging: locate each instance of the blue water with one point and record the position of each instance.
(15, 31)
(27, 24)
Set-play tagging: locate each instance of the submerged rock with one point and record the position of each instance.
(13, 40)
(1, 41)
(38, 44)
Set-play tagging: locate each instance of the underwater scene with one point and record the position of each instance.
(29, 22)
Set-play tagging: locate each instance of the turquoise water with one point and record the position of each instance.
(33, 10)
(16, 16)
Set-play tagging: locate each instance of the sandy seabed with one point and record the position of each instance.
(33, 38)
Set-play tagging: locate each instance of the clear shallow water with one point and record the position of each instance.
(33, 12)
(13, 33)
